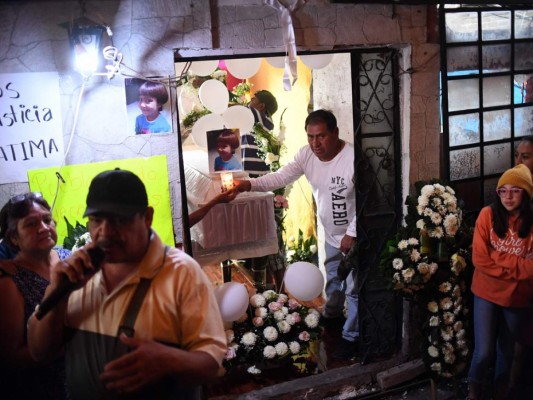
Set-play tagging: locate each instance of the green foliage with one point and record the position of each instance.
(301, 249)
(73, 234)
(193, 116)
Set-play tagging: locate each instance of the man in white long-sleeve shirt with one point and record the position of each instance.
(328, 164)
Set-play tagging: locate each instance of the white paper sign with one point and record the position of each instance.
(31, 128)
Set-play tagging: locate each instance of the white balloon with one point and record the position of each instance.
(304, 280)
(239, 117)
(206, 123)
(203, 68)
(276, 62)
(316, 61)
(243, 68)
(232, 299)
(214, 95)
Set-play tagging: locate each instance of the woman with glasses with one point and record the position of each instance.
(502, 254)
(26, 225)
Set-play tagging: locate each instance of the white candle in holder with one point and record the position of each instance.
(226, 179)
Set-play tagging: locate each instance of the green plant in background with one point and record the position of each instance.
(77, 236)
(193, 116)
(301, 249)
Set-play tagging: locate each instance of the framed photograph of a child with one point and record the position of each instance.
(148, 106)
(224, 150)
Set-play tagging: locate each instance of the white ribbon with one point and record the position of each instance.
(288, 38)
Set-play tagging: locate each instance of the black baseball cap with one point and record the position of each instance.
(117, 192)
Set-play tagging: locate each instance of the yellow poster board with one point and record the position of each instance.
(72, 194)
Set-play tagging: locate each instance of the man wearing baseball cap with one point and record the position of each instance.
(146, 324)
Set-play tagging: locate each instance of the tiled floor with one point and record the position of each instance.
(243, 382)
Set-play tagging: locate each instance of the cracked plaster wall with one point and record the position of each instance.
(147, 32)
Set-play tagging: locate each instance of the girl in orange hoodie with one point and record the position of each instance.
(503, 280)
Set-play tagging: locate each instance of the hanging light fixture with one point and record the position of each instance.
(85, 36)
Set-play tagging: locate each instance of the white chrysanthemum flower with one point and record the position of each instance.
(445, 287)
(420, 224)
(458, 326)
(258, 322)
(269, 352)
(450, 190)
(415, 255)
(282, 348)
(294, 347)
(279, 316)
(423, 201)
(290, 319)
(433, 351)
(402, 244)
(397, 263)
(437, 232)
(433, 306)
(436, 201)
(448, 318)
(447, 333)
(446, 303)
(461, 344)
(396, 277)
(257, 300)
(270, 294)
(451, 224)
(284, 326)
(436, 367)
(434, 321)
(314, 311)
(439, 189)
(270, 333)
(413, 241)
(461, 334)
(249, 339)
(261, 312)
(253, 370)
(408, 274)
(311, 320)
(435, 218)
(230, 335)
(284, 310)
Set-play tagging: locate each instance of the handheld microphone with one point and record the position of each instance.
(65, 286)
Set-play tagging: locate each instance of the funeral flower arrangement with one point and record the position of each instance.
(429, 262)
(275, 328)
(438, 212)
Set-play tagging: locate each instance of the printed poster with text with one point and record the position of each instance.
(72, 194)
(31, 128)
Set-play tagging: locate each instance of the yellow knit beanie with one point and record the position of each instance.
(519, 176)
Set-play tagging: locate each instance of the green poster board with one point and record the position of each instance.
(72, 194)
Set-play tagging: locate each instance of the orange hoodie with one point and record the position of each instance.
(503, 271)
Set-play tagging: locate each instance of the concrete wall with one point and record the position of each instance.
(146, 32)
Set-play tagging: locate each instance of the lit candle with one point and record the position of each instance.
(226, 179)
